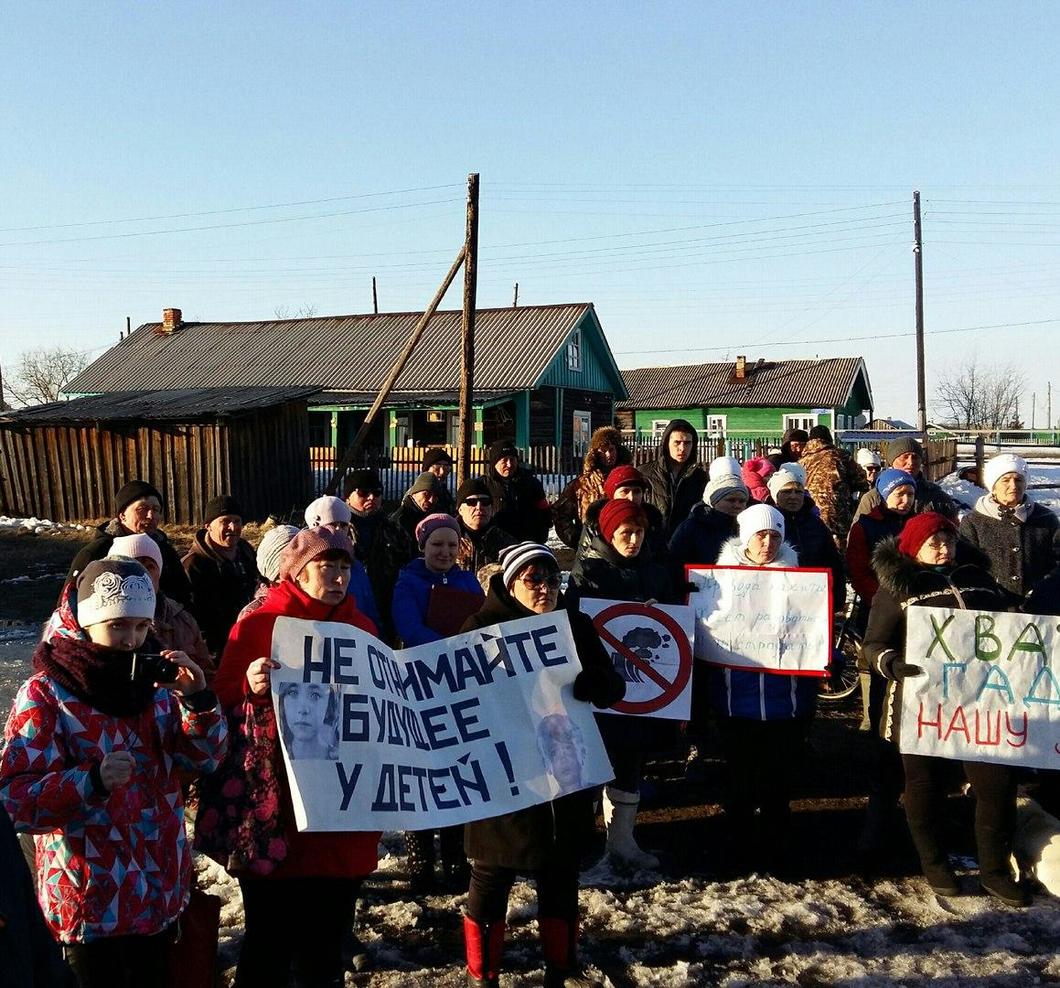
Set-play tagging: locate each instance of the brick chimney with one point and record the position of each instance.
(741, 368)
(171, 321)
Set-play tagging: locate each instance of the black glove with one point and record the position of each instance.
(598, 688)
(900, 669)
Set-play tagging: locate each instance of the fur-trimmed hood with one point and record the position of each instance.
(732, 555)
(606, 435)
(904, 577)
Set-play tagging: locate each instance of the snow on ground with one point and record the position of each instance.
(39, 525)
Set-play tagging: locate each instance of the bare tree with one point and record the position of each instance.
(42, 374)
(971, 396)
(304, 311)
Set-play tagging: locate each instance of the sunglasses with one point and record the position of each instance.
(475, 501)
(364, 492)
(537, 580)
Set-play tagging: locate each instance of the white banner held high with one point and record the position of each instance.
(651, 648)
(989, 692)
(469, 727)
(763, 619)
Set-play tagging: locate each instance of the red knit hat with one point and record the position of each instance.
(623, 476)
(614, 513)
(919, 529)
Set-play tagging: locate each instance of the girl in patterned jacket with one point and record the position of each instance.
(96, 752)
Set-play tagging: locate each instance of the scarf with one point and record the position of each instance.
(986, 505)
(99, 676)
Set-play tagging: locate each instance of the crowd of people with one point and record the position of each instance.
(151, 690)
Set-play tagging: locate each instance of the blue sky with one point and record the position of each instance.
(718, 179)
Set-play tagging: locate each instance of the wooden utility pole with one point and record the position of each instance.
(375, 297)
(1034, 407)
(918, 255)
(395, 373)
(467, 333)
(1049, 403)
(515, 300)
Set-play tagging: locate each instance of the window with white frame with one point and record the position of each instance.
(658, 427)
(716, 425)
(574, 351)
(804, 422)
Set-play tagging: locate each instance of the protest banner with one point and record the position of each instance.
(461, 729)
(763, 618)
(989, 692)
(651, 648)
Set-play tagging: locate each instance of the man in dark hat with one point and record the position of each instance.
(223, 571)
(520, 506)
(382, 546)
(138, 510)
(438, 462)
(480, 538)
(418, 503)
(833, 480)
(791, 444)
(905, 453)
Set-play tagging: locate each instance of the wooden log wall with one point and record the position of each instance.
(70, 471)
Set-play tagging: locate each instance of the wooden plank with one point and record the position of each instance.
(196, 505)
(168, 464)
(42, 448)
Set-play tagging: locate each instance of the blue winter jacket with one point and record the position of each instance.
(412, 598)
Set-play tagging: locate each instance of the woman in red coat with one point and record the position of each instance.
(299, 889)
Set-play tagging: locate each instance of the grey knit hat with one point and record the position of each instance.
(721, 487)
(270, 549)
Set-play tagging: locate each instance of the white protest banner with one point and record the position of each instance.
(989, 692)
(651, 647)
(763, 618)
(469, 727)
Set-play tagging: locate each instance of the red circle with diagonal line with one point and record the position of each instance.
(670, 690)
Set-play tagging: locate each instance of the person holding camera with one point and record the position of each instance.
(98, 742)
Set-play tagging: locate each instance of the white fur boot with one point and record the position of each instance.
(1037, 849)
(620, 813)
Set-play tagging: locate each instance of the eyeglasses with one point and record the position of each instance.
(537, 580)
(365, 493)
(475, 501)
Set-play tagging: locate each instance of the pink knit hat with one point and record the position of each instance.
(309, 544)
(432, 523)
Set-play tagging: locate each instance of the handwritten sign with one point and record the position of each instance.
(763, 619)
(989, 692)
(469, 727)
(651, 648)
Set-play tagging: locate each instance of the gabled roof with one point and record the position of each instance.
(178, 405)
(767, 384)
(513, 347)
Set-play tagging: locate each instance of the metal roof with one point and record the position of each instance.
(767, 384)
(513, 347)
(176, 404)
(402, 399)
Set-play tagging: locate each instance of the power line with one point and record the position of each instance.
(840, 339)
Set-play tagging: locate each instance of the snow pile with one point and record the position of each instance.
(39, 526)
(1038, 474)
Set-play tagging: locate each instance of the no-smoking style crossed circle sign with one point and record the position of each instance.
(670, 686)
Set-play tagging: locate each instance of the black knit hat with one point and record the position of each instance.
(502, 448)
(425, 482)
(365, 480)
(223, 504)
(436, 455)
(472, 487)
(134, 491)
(821, 432)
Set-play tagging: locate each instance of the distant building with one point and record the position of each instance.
(748, 399)
(889, 425)
(544, 374)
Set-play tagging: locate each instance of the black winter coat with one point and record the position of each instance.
(1020, 553)
(481, 548)
(1044, 597)
(602, 572)
(699, 539)
(520, 506)
(407, 516)
(221, 587)
(29, 957)
(813, 544)
(905, 582)
(674, 496)
(529, 838)
(384, 548)
(174, 582)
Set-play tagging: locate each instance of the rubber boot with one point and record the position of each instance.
(419, 846)
(620, 813)
(559, 944)
(484, 946)
(456, 871)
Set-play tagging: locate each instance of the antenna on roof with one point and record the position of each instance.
(515, 299)
(375, 298)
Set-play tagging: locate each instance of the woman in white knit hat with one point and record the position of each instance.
(1018, 536)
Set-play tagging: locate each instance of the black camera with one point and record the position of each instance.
(148, 667)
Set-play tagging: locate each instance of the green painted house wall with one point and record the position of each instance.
(753, 421)
(598, 371)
